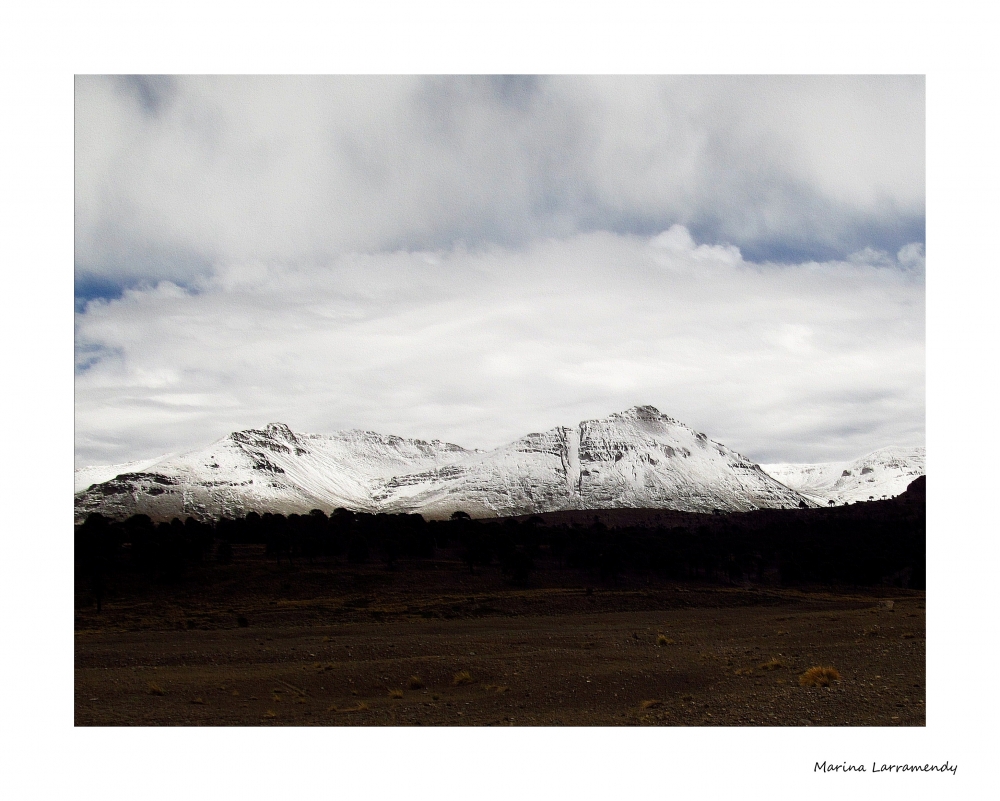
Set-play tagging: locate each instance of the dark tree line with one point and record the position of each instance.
(861, 544)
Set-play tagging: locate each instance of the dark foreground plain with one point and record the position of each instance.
(258, 643)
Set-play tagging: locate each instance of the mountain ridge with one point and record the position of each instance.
(637, 458)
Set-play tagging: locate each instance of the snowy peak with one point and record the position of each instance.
(642, 457)
(639, 414)
(276, 437)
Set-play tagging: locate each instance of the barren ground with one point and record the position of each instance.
(333, 645)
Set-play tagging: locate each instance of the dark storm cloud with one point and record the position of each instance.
(303, 169)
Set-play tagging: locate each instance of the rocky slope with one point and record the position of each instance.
(636, 458)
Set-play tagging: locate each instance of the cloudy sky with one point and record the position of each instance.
(474, 258)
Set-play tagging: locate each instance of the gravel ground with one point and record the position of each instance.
(668, 655)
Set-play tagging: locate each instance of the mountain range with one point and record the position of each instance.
(884, 473)
(638, 458)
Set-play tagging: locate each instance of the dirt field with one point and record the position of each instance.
(268, 645)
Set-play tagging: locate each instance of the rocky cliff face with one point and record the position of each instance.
(635, 458)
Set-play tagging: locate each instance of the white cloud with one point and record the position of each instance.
(471, 258)
(808, 362)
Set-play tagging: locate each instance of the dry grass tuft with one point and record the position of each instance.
(270, 714)
(744, 671)
(361, 707)
(663, 639)
(462, 677)
(819, 677)
(772, 664)
(197, 700)
(415, 683)
(396, 693)
(156, 689)
(652, 704)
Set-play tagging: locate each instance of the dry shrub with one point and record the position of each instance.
(396, 693)
(819, 677)
(415, 683)
(663, 639)
(156, 689)
(772, 664)
(462, 677)
(652, 704)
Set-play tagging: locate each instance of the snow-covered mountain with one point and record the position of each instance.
(884, 473)
(272, 469)
(636, 458)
